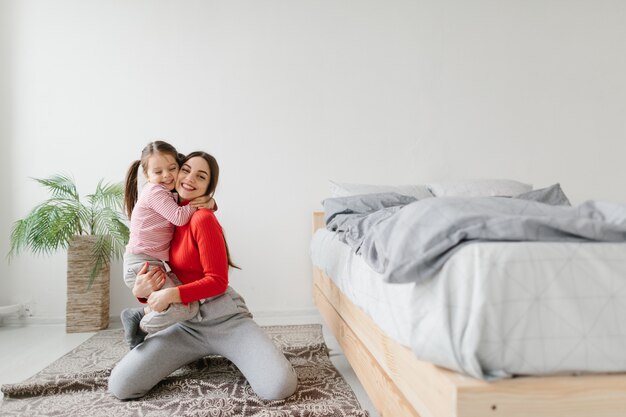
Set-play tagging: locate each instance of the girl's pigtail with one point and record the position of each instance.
(130, 190)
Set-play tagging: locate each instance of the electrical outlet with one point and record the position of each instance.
(28, 309)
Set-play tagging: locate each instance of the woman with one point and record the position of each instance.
(199, 257)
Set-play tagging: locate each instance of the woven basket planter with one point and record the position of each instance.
(87, 308)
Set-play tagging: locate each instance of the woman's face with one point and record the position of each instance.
(193, 178)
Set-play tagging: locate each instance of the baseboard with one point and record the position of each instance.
(31, 321)
(268, 318)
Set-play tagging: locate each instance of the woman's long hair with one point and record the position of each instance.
(214, 171)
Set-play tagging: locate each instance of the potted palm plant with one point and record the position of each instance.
(92, 233)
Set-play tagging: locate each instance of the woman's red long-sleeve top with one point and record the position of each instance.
(198, 257)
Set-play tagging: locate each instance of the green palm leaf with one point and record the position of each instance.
(19, 235)
(107, 195)
(110, 222)
(101, 254)
(60, 186)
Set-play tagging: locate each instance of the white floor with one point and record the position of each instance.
(25, 350)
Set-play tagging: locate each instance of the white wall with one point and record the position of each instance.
(6, 132)
(287, 94)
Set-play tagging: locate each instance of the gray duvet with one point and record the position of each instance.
(406, 240)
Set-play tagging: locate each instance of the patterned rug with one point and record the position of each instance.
(76, 384)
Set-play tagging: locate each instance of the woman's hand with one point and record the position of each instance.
(161, 300)
(203, 201)
(148, 281)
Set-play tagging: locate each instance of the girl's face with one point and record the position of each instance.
(193, 178)
(162, 169)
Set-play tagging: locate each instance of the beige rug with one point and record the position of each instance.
(75, 385)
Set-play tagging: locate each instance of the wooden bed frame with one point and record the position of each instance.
(401, 385)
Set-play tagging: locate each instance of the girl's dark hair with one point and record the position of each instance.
(130, 191)
(214, 171)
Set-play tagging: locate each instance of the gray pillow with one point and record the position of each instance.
(552, 195)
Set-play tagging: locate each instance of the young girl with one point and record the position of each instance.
(153, 215)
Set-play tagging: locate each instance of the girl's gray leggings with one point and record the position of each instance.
(177, 312)
(226, 329)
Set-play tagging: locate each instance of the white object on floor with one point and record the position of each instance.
(12, 309)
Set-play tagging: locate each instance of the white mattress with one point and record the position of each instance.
(387, 304)
(499, 309)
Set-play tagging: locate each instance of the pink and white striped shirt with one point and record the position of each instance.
(153, 219)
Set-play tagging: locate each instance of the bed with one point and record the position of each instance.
(399, 384)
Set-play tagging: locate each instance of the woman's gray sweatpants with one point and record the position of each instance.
(226, 329)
